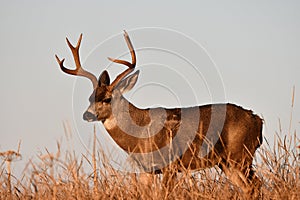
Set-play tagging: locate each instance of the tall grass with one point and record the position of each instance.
(62, 176)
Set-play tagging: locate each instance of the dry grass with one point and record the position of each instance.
(57, 176)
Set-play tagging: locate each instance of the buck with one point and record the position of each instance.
(184, 131)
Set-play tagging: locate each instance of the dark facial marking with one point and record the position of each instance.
(100, 95)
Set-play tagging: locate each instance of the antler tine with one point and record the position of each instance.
(130, 66)
(79, 71)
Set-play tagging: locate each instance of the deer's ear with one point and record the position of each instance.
(127, 83)
(104, 79)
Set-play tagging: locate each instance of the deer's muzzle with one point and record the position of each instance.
(88, 116)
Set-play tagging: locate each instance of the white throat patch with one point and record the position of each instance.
(110, 123)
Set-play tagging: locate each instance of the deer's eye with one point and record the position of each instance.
(108, 100)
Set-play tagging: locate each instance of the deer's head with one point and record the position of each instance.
(104, 92)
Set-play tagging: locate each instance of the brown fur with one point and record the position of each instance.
(240, 136)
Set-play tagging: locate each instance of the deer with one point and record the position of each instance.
(142, 131)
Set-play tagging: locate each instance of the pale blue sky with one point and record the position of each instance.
(255, 45)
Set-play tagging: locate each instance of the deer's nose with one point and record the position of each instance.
(88, 116)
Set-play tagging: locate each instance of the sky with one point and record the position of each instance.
(243, 52)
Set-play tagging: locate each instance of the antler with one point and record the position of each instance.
(130, 66)
(79, 71)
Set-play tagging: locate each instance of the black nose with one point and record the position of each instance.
(88, 116)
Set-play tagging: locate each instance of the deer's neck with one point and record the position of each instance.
(125, 114)
(137, 130)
